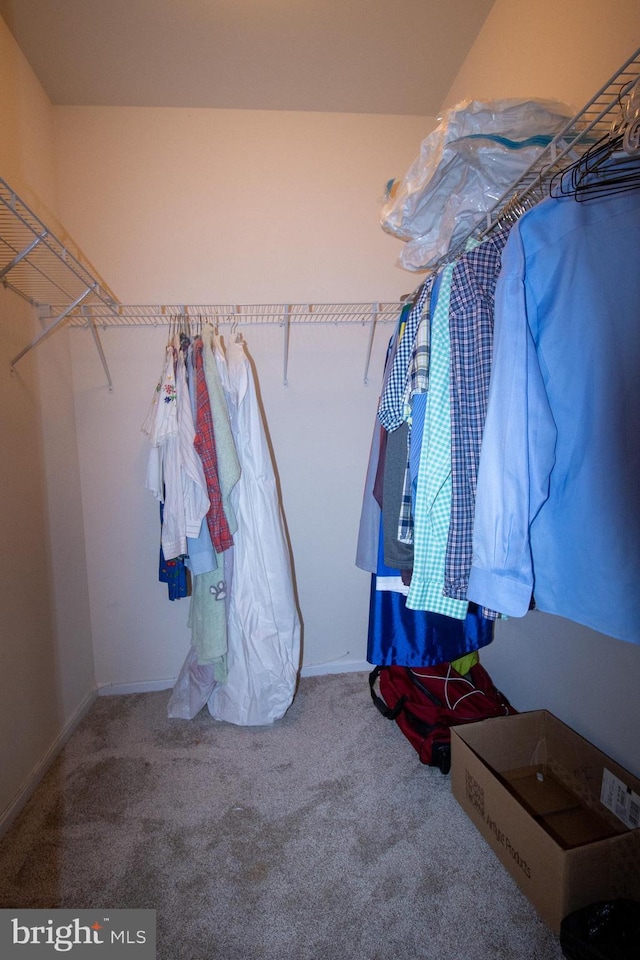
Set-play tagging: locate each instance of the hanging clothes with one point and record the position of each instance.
(417, 638)
(208, 612)
(397, 634)
(397, 553)
(558, 496)
(244, 655)
(173, 572)
(391, 412)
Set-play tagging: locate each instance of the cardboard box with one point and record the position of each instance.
(561, 816)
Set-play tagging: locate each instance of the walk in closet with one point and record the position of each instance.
(117, 222)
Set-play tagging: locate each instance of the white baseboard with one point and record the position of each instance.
(12, 810)
(308, 670)
(139, 686)
(335, 666)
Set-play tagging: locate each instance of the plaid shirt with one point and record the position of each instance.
(417, 382)
(471, 311)
(391, 406)
(433, 490)
(418, 373)
(205, 445)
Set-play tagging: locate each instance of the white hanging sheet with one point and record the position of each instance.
(263, 627)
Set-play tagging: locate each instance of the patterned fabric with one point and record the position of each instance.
(205, 446)
(208, 621)
(162, 419)
(418, 372)
(405, 519)
(226, 453)
(417, 383)
(471, 311)
(391, 406)
(433, 491)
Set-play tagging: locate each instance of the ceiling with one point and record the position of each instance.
(351, 56)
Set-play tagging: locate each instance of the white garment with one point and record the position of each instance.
(162, 420)
(264, 627)
(160, 424)
(174, 470)
(194, 484)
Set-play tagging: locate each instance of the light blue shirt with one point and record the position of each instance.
(558, 496)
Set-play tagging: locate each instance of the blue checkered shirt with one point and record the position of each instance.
(391, 407)
(471, 311)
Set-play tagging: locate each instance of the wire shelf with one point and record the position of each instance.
(278, 313)
(37, 266)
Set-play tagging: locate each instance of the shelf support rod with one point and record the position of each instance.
(287, 319)
(372, 330)
(96, 339)
(21, 256)
(52, 327)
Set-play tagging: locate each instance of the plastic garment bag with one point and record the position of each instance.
(464, 166)
(263, 625)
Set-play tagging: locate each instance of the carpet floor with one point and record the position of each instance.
(321, 836)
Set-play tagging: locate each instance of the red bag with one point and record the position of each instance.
(426, 702)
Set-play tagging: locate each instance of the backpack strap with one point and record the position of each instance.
(391, 713)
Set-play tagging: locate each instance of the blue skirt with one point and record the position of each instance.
(418, 638)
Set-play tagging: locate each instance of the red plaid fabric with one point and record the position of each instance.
(205, 445)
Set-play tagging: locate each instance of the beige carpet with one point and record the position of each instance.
(321, 837)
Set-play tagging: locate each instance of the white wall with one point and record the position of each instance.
(226, 206)
(564, 51)
(215, 206)
(46, 657)
(567, 51)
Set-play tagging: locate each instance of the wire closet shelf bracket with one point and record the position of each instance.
(43, 270)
